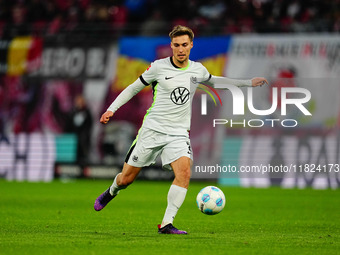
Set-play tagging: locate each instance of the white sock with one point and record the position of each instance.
(114, 189)
(176, 198)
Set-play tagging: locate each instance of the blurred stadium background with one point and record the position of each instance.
(62, 62)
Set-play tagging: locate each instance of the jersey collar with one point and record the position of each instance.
(181, 68)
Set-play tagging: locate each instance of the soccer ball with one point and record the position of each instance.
(210, 200)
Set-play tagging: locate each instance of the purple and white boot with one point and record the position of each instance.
(103, 200)
(170, 229)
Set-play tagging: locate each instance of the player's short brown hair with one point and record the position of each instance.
(181, 30)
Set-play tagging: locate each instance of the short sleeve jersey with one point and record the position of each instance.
(170, 112)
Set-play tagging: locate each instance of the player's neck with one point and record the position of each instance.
(180, 64)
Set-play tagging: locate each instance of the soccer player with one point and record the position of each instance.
(166, 125)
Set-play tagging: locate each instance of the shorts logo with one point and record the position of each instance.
(189, 148)
(180, 95)
(134, 158)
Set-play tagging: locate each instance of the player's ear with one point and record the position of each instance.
(192, 44)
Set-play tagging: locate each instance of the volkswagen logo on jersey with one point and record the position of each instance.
(180, 95)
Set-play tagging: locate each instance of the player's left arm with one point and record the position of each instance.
(259, 81)
(254, 82)
(212, 80)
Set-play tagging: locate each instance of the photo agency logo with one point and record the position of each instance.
(207, 89)
(282, 99)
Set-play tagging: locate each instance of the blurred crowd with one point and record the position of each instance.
(113, 18)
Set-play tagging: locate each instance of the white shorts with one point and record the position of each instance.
(149, 144)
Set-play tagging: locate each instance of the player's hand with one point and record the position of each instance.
(106, 117)
(259, 81)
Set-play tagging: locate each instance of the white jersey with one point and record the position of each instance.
(173, 91)
(170, 112)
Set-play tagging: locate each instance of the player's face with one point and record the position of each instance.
(181, 46)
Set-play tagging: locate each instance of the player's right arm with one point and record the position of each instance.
(106, 117)
(144, 80)
(122, 98)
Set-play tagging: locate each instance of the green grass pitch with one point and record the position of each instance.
(58, 218)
